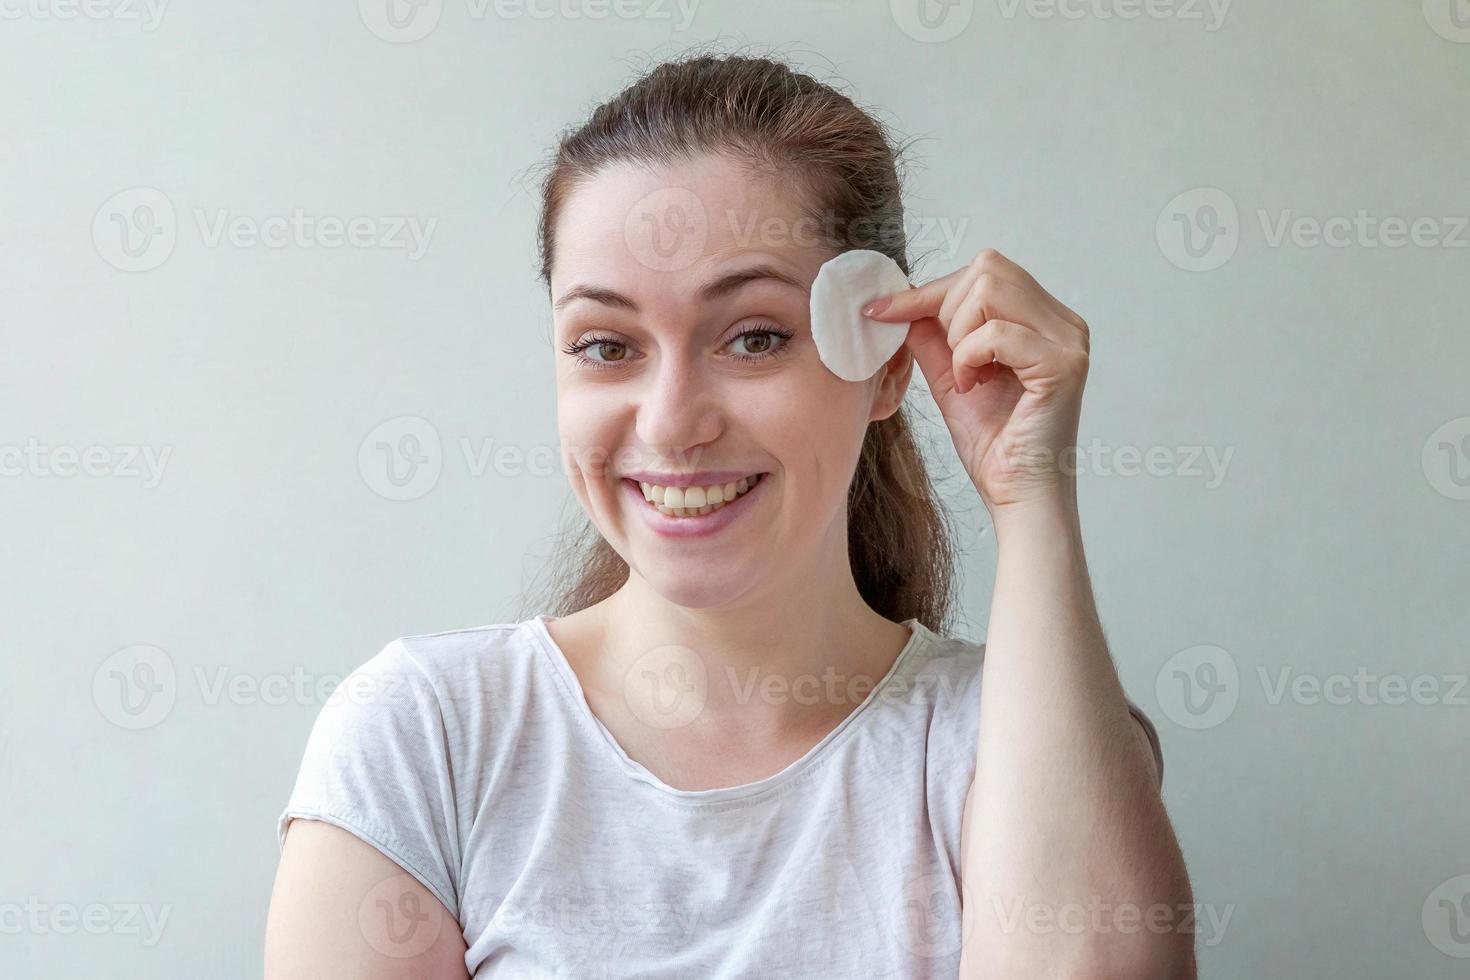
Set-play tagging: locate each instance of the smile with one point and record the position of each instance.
(686, 502)
(699, 510)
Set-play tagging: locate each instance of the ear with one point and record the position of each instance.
(893, 382)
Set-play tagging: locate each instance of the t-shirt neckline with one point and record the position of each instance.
(571, 687)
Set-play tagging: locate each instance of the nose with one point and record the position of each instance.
(678, 412)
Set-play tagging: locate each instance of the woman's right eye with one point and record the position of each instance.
(609, 350)
(598, 350)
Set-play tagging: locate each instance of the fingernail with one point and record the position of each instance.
(877, 306)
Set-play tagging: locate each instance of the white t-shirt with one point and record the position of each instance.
(472, 759)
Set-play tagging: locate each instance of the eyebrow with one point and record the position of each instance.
(710, 291)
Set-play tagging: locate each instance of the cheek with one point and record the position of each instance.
(816, 425)
(591, 428)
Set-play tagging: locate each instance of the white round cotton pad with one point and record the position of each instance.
(854, 346)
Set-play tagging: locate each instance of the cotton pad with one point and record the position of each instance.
(854, 346)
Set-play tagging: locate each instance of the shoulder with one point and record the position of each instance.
(448, 667)
(425, 698)
(944, 672)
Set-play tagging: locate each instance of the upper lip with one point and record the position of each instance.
(705, 479)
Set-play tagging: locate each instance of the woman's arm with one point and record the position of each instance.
(1071, 868)
(344, 910)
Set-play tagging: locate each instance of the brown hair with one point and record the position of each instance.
(839, 161)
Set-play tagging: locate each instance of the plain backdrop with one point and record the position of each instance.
(234, 470)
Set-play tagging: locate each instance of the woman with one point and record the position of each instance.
(744, 746)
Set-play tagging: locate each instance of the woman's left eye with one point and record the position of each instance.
(759, 342)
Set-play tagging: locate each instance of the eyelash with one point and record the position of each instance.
(575, 348)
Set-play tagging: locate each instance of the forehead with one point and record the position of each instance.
(656, 229)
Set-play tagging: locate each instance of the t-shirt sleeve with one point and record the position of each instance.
(377, 765)
(1153, 738)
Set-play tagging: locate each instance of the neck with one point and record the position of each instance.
(802, 650)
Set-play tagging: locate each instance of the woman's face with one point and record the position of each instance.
(685, 359)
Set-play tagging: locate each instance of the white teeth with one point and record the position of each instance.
(695, 501)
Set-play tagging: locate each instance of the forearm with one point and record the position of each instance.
(1070, 850)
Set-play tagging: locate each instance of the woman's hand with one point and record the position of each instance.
(1006, 361)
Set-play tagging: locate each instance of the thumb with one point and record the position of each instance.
(930, 346)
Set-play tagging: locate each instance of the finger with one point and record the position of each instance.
(911, 304)
(931, 350)
(993, 298)
(1015, 345)
(989, 260)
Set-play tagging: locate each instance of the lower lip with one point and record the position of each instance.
(692, 527)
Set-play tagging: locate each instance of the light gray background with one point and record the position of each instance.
(1334, 542)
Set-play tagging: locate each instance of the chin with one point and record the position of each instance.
(702, 591)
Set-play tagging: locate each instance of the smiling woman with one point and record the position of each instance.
(735, 739)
